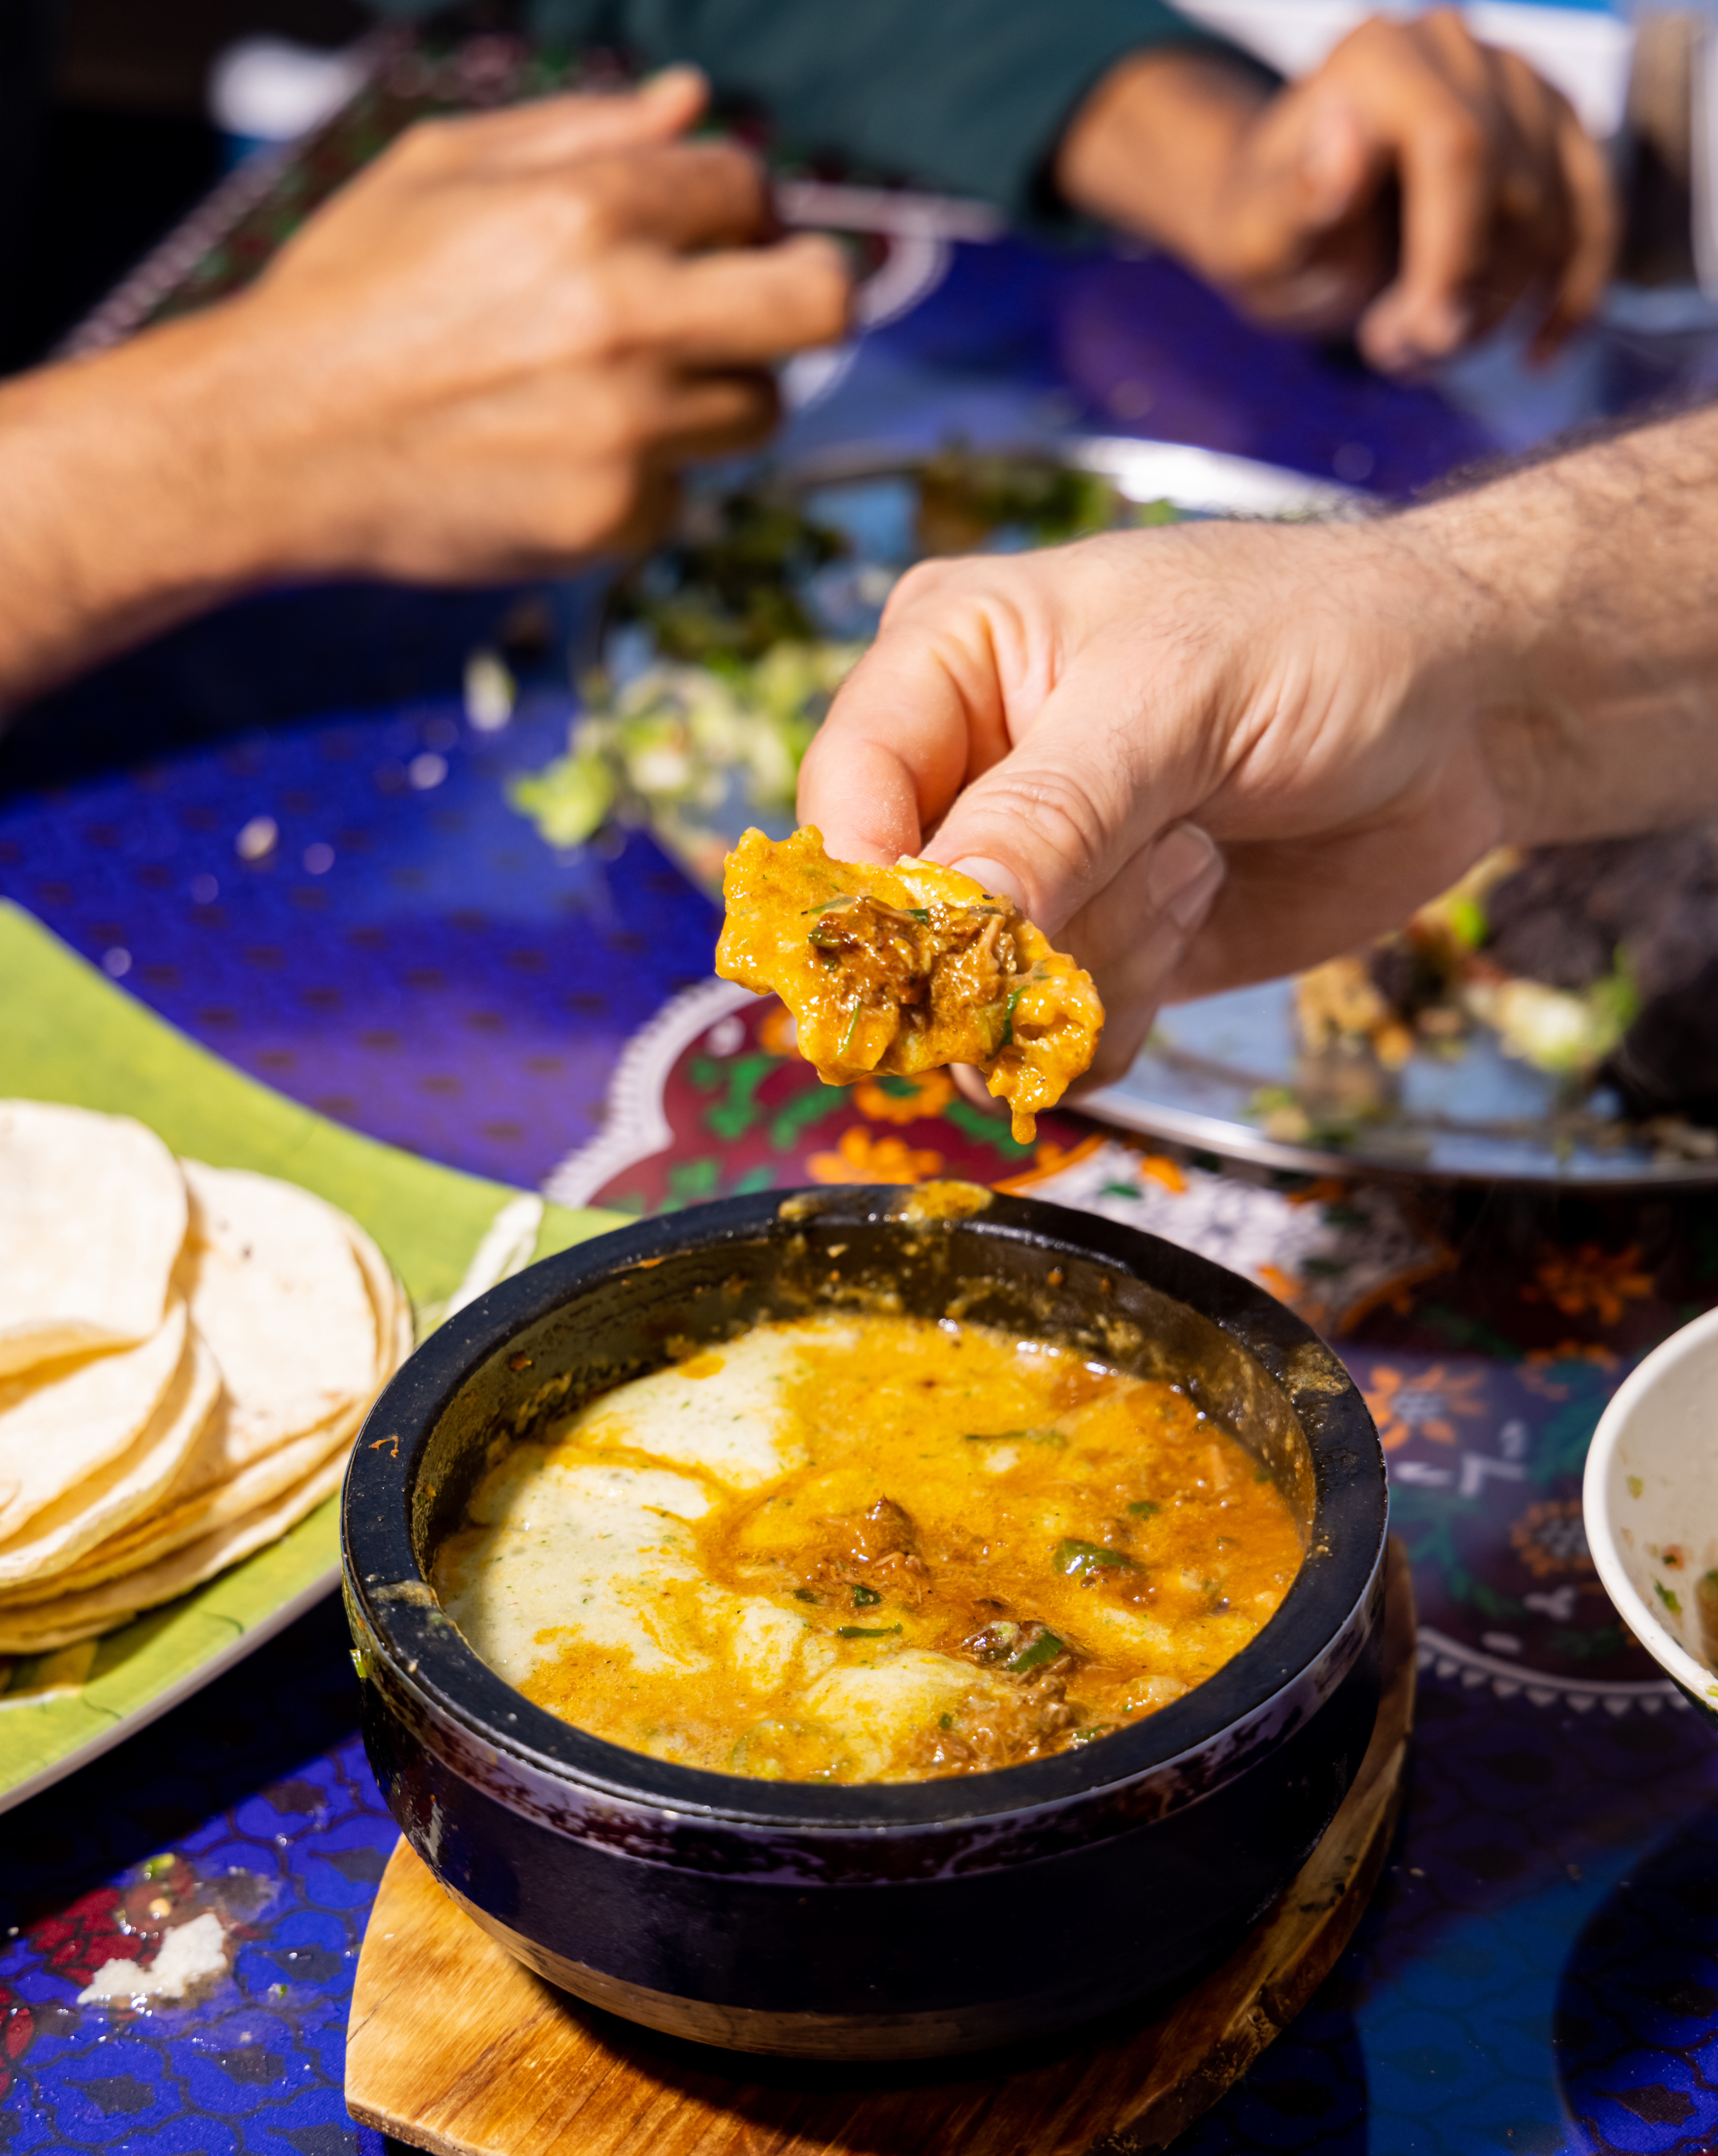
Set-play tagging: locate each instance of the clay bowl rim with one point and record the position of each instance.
(383, 1578)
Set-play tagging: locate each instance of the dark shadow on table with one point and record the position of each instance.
(1637, 2011)
(293, 653)
(292, 1701)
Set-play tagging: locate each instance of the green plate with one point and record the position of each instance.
(67, 1034)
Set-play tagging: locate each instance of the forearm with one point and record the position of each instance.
(129, 505)
(1578, 615)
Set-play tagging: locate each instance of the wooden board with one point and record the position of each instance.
(454, 2047)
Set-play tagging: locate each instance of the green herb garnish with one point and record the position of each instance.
(1667, 1595)
(865, 1632)
(1007, 1039)
(1077, 1560)
(866, 1598)
(803, 1594)
(1044, 1648)
(1145, 1508)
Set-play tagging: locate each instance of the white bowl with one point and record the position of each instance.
(1650, 1501)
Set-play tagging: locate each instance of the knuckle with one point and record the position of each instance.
(920, 585)
(1047, 812)
(1456, 134)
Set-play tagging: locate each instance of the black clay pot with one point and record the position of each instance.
(897, 1921)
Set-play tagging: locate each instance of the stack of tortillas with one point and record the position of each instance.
(185, 1354)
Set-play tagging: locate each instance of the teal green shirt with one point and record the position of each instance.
(969, 96)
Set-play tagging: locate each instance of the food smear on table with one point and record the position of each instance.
(904, 969)
(188, 1352)
(870, 1547)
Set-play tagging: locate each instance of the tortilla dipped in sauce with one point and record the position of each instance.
(904, 969)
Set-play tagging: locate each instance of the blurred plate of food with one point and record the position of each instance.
(722, 650)
(1552, 1018)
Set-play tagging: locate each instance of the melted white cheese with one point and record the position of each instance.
(570, 1550)
(722, 1412)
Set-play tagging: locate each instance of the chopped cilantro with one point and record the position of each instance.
(1080, 1560)
(865, 1632)
(866, 1598)
(1044, 1648)
(1145, 1508)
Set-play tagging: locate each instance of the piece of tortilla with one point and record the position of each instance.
(36, 1627)
(276, 1290)
(103, 1505)
(93, 1212)
(394, 1332)
(66, 1421)
(158, 1534)
(902, 970)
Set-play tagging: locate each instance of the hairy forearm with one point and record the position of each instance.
(1575, 610)
(129, 501)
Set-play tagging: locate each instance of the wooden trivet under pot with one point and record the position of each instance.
(456, 2047)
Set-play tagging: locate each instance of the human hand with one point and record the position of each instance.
(1101, 730)
(1415, 188)
(486, 355)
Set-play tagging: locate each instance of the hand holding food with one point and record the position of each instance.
(906, 969)
(1221, 753)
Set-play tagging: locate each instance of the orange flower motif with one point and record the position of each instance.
(1049, 1159)
(1327, 1190)
(1550, 1537)
(1283, 1286)
(1589, 1278)
(1543, 1359)
(777, 1032)
(1405, 1406)
(904, 1100)
(859, 1157)
(1158, 1168)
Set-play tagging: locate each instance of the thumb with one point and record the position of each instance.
(1081, 799)
(1310, 164)
(1337, 161)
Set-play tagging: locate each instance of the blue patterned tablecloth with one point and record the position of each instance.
(1539, 1971)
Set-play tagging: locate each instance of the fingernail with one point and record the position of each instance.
(994, 877)
(1185, 872)
(679, 76)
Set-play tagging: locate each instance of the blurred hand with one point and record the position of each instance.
(1102, 731)
(1415, 188)
(492, 349)
(482, 359)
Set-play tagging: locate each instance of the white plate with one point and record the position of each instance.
(1650, 1501)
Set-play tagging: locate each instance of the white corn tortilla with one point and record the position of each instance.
(275, 1289)
(92, 1215)
(36, 1628)
(104, 1505)
(66, 1421)
(150, 1538)
(389, 1300)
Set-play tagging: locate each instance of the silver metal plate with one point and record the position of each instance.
(1478, 1116)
